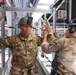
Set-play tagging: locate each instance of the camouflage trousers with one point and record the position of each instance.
(33, 71)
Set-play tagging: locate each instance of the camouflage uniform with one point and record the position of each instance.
(65, 58)
(24, 51)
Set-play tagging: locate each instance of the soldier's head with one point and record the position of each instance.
(25, 24)
(71, 32)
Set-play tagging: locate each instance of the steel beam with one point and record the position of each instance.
(70, 10)
(3, 35)
(56, 9)
(24, 9)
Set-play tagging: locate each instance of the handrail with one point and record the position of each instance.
(7, 67)
(43, 55)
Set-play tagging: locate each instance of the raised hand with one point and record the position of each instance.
(48, 27)
(56, 35)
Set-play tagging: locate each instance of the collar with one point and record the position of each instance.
(25, 38)
(22, 37)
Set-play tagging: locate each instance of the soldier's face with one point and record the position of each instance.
(25, 30)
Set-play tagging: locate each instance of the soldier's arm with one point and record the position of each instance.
(40, 39)
(4, 42)
(53, 46)
(47, 32)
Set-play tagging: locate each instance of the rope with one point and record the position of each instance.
(37, 28)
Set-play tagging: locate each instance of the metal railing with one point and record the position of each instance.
(6, 69)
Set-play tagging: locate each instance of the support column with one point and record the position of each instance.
(54, 19)
(9, 24)
(70, 10)
(39, 25)
(2, 35)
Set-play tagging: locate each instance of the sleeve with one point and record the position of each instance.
(53, 45)
(49, 37)
(58, 44)
(5, 42)
(39, 40)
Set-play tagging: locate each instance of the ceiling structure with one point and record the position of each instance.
(38, 4)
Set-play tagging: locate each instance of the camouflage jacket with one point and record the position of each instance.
(24, 49)
(65, 58)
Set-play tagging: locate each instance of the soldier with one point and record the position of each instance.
(65, 58)
(24, 49)
(54, 62)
